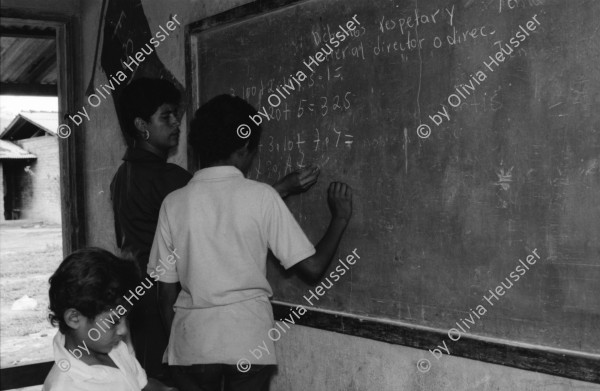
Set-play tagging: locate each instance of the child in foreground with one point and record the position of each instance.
(88, 305)
(222, 225)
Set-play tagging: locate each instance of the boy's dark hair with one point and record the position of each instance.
(141, 98)
(91, 280)
(213, 133)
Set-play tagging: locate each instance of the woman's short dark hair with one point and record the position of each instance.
(213, 133)
(141, 98)
(92, 281)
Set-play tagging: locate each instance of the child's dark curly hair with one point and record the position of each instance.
(92, 281)
(213, 133)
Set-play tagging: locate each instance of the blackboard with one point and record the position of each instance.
(438, 221)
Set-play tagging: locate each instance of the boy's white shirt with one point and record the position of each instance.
(71, 374)
(213, 236)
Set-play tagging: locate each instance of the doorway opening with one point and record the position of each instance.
(41, 203)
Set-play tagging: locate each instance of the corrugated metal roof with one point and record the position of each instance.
(10, 150)
(20, 127)
(28, 63)
(24, 60)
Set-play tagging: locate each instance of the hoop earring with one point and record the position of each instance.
(146, 135)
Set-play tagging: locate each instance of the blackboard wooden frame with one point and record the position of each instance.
(541, 359)
(556, 362)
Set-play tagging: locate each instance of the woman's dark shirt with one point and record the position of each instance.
(137, 192)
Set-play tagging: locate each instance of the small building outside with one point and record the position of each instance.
(30, 168)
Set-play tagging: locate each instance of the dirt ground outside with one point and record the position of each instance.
(29, 254)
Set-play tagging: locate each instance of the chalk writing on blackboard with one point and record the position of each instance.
(243, 130)
(454, 100)
(434, 210)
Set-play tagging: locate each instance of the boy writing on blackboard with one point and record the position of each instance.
(150, 112)
(222, 226)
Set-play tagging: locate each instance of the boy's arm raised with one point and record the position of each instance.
(339, 198)
(297, 182)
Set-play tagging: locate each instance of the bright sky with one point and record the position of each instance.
(11, 105)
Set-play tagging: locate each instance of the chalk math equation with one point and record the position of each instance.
(278, 157)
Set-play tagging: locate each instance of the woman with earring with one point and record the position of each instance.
(149, 111)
